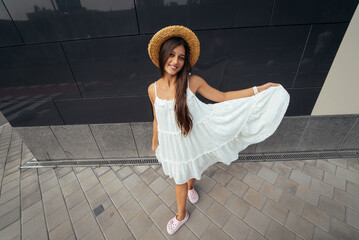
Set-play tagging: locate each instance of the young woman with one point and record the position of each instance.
(189, 135)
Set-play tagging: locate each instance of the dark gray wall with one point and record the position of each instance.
(67, 62)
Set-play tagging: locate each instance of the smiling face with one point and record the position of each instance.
(175, 61)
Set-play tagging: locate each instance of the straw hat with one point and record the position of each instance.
(174, 31)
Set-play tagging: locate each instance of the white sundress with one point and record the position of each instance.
(220, 130)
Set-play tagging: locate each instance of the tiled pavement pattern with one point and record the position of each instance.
(317, 199)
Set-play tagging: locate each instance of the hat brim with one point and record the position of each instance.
(174, 31)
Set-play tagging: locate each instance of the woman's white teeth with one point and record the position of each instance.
(173, 67)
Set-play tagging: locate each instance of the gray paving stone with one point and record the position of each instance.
(153, 233)
(161, 215)
(313, 172)
(61, 172)
(236, 228)
(220, 193)
(268, 175)
(9, 218)
(99, 170)
(320, 234)
(159, 185)
(150, 202)
(79, 211)
(12, 231)
(307, 195)
(50, 183)
(346, 199)
(84, 225)
(62, 231)
(326, 166)
(316, 216)
(278, 232)
(341, 162)
(342, 230)
(299, 225)
(331, 207)
(108, 217)
(31, 212)
(168, 196)
(206, 183)
(140, 191)
(281, 169)
(140, 169)
(237, 187)
(218, 214)
(300, 178)
(257, 220)
(120, 197)
(205, 200)
(271, 191)
(197, 222)
(237, 171)
(87, 179)
(14, 193)
(113, 187)
(292, 203)
(118, 230)
(252, 167)
(69, 189)
(56, 218)
(30, 199)
(8, 206)
(108, 177)
(347, 175)
(221, 177)
(149, 175)
(222, 166)
(34, 228)
(96, 235)
(140, 224)
(9, 186)
(237, 206)
(132, 181)
(254, 198)
(334, 181)
(213, 232)
(124, 172)
(353, 164)
(298, 165)
(254, 235)
(73, 199)
(253, 181)
(68, 178)
(353, 188)
(353, 218)
(286, 184)
(275, 211)
(322, 188)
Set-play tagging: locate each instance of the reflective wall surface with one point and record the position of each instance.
(85, 61)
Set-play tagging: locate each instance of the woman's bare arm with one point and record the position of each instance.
(217, 96)
(151, 95)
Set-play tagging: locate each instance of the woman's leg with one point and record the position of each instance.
(181, 196)
(190, 183)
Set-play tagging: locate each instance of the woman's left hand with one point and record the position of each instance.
(266, 86)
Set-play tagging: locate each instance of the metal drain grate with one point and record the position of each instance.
(285, 156)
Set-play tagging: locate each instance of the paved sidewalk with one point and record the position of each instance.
(316, 199)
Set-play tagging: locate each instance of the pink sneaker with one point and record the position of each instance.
(173, 225)
(193, 196)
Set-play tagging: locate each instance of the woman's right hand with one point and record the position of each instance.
(154, 147)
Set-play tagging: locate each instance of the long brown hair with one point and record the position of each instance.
(183, 116)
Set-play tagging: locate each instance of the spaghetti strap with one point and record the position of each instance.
(155, 90)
